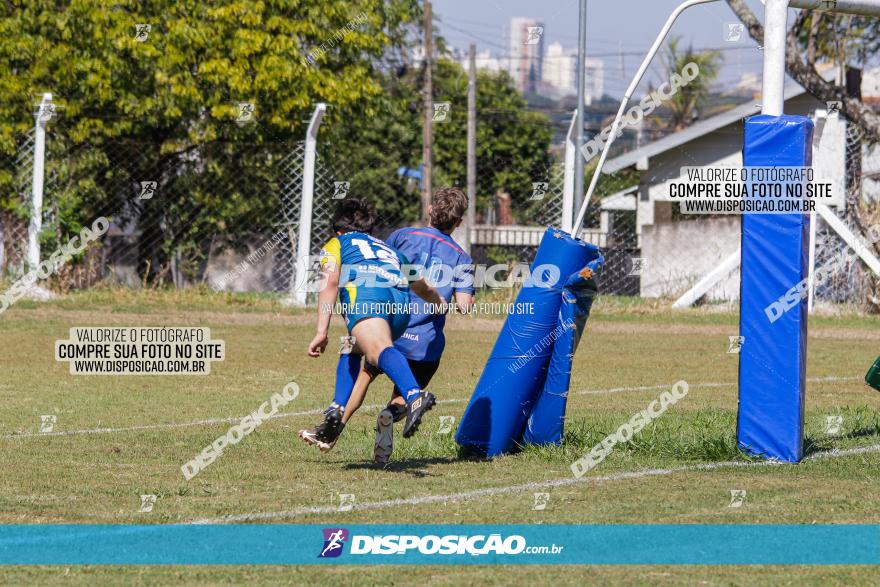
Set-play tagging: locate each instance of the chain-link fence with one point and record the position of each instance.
(226, 214)
(177, 217)
(845, 278)
(16, 175)
(212, 213)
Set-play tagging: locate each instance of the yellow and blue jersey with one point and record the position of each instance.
(370, 279)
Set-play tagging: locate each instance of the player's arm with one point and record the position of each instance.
(426, 292)
(463, 288)
(330, 269)
(464, 301)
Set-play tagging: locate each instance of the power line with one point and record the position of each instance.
(555, 35)
(477, 37)
(618, 53)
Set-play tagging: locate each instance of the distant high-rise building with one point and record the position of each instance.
(559, 74)
(526, 53)
(560, 70)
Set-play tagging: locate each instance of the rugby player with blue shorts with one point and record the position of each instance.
(374, 296)
(444, 263)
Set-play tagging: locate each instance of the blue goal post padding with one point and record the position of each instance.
(546, 423)
(516, 370)
(773, 355)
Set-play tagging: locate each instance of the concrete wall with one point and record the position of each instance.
(677, 254)
(265, 265)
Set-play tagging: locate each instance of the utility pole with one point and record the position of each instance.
(427, 131)
(853, 157)
(471, 147)
(581, 83)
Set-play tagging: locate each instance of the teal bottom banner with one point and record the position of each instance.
(294, 544)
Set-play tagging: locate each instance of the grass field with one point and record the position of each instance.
(117, 438)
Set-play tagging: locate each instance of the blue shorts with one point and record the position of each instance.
(389, 303)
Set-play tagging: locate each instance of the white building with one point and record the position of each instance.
(677, 252)
(749, 83)
(559, 74)
(526, 53)
(871, 86)
(483, 60)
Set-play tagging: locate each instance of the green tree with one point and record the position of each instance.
(512, 142)
(684, 105)
(182, 83)
(163, 106)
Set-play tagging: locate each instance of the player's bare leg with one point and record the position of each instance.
(358, 393)
(374, 338)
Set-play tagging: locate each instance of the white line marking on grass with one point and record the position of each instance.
(317, 411)
(655, 387)
(155, 426)
(525, 487)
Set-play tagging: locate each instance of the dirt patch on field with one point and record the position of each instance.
(107, 317)
(671, 328)
(635, 329)
(164, 318)
(845, 333)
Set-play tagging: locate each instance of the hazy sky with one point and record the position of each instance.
(613, 26)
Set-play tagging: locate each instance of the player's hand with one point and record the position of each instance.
(318, 344)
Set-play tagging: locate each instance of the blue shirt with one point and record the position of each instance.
(449, 269)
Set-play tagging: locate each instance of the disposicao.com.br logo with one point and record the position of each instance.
(334, 541)
(431, 544)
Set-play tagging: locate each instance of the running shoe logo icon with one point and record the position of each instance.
(334, 540)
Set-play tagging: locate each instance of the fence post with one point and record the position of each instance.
(44, 113)
(811, 262)
(568, 178)
(304, 238)
(2, 247)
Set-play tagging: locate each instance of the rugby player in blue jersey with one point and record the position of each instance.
(374, 295)
(444, 263)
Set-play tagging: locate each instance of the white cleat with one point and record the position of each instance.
(384, 437)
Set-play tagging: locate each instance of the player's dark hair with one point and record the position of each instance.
(447, 208)
(354, 215)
